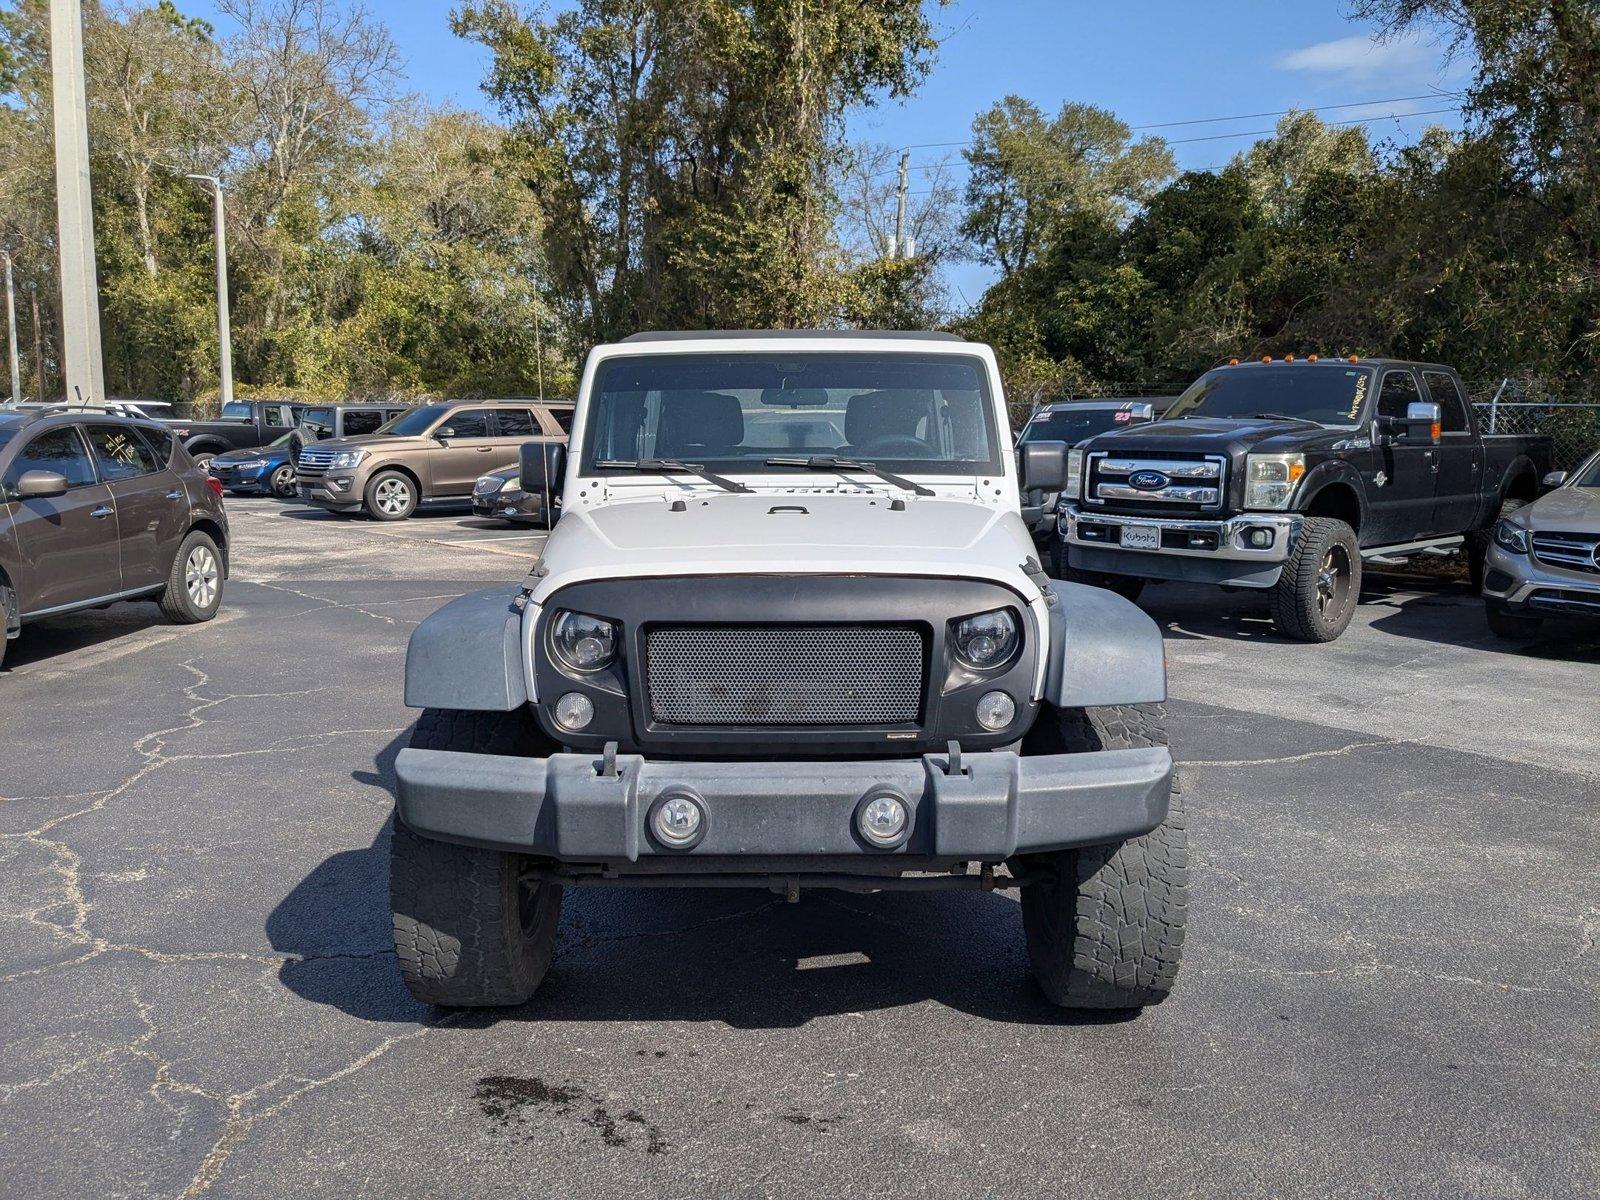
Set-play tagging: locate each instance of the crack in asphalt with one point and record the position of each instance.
(323, 604)
(1294, 758)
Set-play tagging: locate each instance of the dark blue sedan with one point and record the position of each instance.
(264, 471)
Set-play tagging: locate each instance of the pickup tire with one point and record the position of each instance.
(469, 930)
(390, 496)
(1316, 595)
(194, 584)
(1105, 924)
(1127, 586)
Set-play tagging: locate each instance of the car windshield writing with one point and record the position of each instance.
(915, 413)
(1067, 425)
(413, 423)
(1328, 395)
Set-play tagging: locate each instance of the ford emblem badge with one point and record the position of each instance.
(1148, 481)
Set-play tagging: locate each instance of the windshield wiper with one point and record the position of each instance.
(1282, 417)
(673, 466)
(829, 462)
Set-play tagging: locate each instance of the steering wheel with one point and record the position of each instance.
(894, 445)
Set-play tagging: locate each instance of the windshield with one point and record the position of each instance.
(1072, 425)
(923, 414)
(412, 422)
(236, 410)
(1588, 475)
(1328, 395)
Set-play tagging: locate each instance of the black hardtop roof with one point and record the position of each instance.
(799, 335)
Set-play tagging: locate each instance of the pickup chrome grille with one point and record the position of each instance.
(1192, 483)
(1570, 551)
(785, 675)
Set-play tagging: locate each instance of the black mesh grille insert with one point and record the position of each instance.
(784, 675)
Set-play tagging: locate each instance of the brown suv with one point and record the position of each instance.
(96, 508)
(436, 452)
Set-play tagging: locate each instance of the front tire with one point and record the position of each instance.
(391, 496)
(194, 585)
(1105, 924)
(469, 929)
(282, 484)
(1315, 597)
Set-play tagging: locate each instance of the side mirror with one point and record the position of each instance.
(41, 485)
(1554, 479)
(544, 467)
(1042, 465)
(443, 434)
(1142, 412)
(1420, 425)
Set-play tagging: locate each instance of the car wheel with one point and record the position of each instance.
(391, 496)
(470, 929)
(1105, 924)
(1315, 597)
(202, 459)
(283, 482)
(194, 585)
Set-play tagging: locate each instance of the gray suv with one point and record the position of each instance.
(1544, 559)
(96, 508)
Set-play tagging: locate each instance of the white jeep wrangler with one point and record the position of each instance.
(788, 632)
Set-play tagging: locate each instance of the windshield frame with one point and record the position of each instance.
(1587, 473)
(586, 425)
(1178, 410)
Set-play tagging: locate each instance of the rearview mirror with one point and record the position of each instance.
(41, 485)
(544, 467)
(1042, 465)
(1554, 479)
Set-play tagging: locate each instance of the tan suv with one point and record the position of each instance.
(436, 452)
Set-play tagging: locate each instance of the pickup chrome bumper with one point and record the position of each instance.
(584, 808)
(1196, 549)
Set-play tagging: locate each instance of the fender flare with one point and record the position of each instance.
(468, 654)
(1104, 650)
(1325, 475)
(204, 444)
(1521, 464)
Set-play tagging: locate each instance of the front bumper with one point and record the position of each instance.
(568, 807)
(1518, 583)
(1193, 549)
(329, 491)
(508, 506)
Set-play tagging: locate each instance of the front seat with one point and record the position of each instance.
(699, 424)
(875, 415)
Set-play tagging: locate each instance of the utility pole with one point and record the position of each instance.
(38, 343)
(897, 247)
(81, 364)
(11, 330)
(224, 333)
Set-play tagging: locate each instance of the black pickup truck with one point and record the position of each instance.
(242, 425)
(1284, 475)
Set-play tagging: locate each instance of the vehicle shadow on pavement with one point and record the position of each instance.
(743, 957)
(54, 636)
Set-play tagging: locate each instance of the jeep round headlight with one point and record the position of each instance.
(987, 640)
(583, 642)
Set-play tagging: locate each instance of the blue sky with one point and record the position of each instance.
(1149, 61)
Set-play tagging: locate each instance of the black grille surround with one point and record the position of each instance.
(800, 667)
(785, 674)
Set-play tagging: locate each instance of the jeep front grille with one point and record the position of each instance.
(785, 675)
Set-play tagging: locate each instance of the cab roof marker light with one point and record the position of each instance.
(1311, 358)
(1288, 358)
(1266, 358)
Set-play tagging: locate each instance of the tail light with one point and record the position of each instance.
(215, 485)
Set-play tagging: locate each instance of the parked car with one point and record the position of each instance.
(96, 508)
(434, 452)
(1283, 476)
(1073, 422)
(499, 495)
(1543, 559)
(740, 663)
(243, 425)
(269, 470)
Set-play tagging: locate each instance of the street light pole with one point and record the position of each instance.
(11, 331)
(81, 365)
(224, 334)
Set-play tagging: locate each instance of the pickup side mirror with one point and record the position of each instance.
(1420, 426)
(1042, 465)
(1554, 479)
(544, 467)
(41, 485)
(1142, 412)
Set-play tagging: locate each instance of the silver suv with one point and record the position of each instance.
(1544, 559)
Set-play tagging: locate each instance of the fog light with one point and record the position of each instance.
(884, 820)
(574, 711)
(1260, 538)
(996, 710)
(677, 821)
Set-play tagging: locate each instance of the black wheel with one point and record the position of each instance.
(1316, 595)
(1105, 924)
(470, 929)
(1511, 626)
(282, 483)
(1128, 587)
(194, 585)
(391, 496)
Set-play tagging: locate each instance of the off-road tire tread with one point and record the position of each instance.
(1127, 904)
(174, 599)
(1294, 596)
(458, 936)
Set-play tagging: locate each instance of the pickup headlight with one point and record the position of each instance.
(1510, 537)
(582, 642)
(987, 640)
(1073, 487)
(345, 459)
(1270, 479)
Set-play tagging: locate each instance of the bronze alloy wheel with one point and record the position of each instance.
(1334, 584)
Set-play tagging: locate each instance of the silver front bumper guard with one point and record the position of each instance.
(1229, 533)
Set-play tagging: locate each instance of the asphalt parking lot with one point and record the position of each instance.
(1389, 984)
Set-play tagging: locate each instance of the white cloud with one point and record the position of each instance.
(1363, 59)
